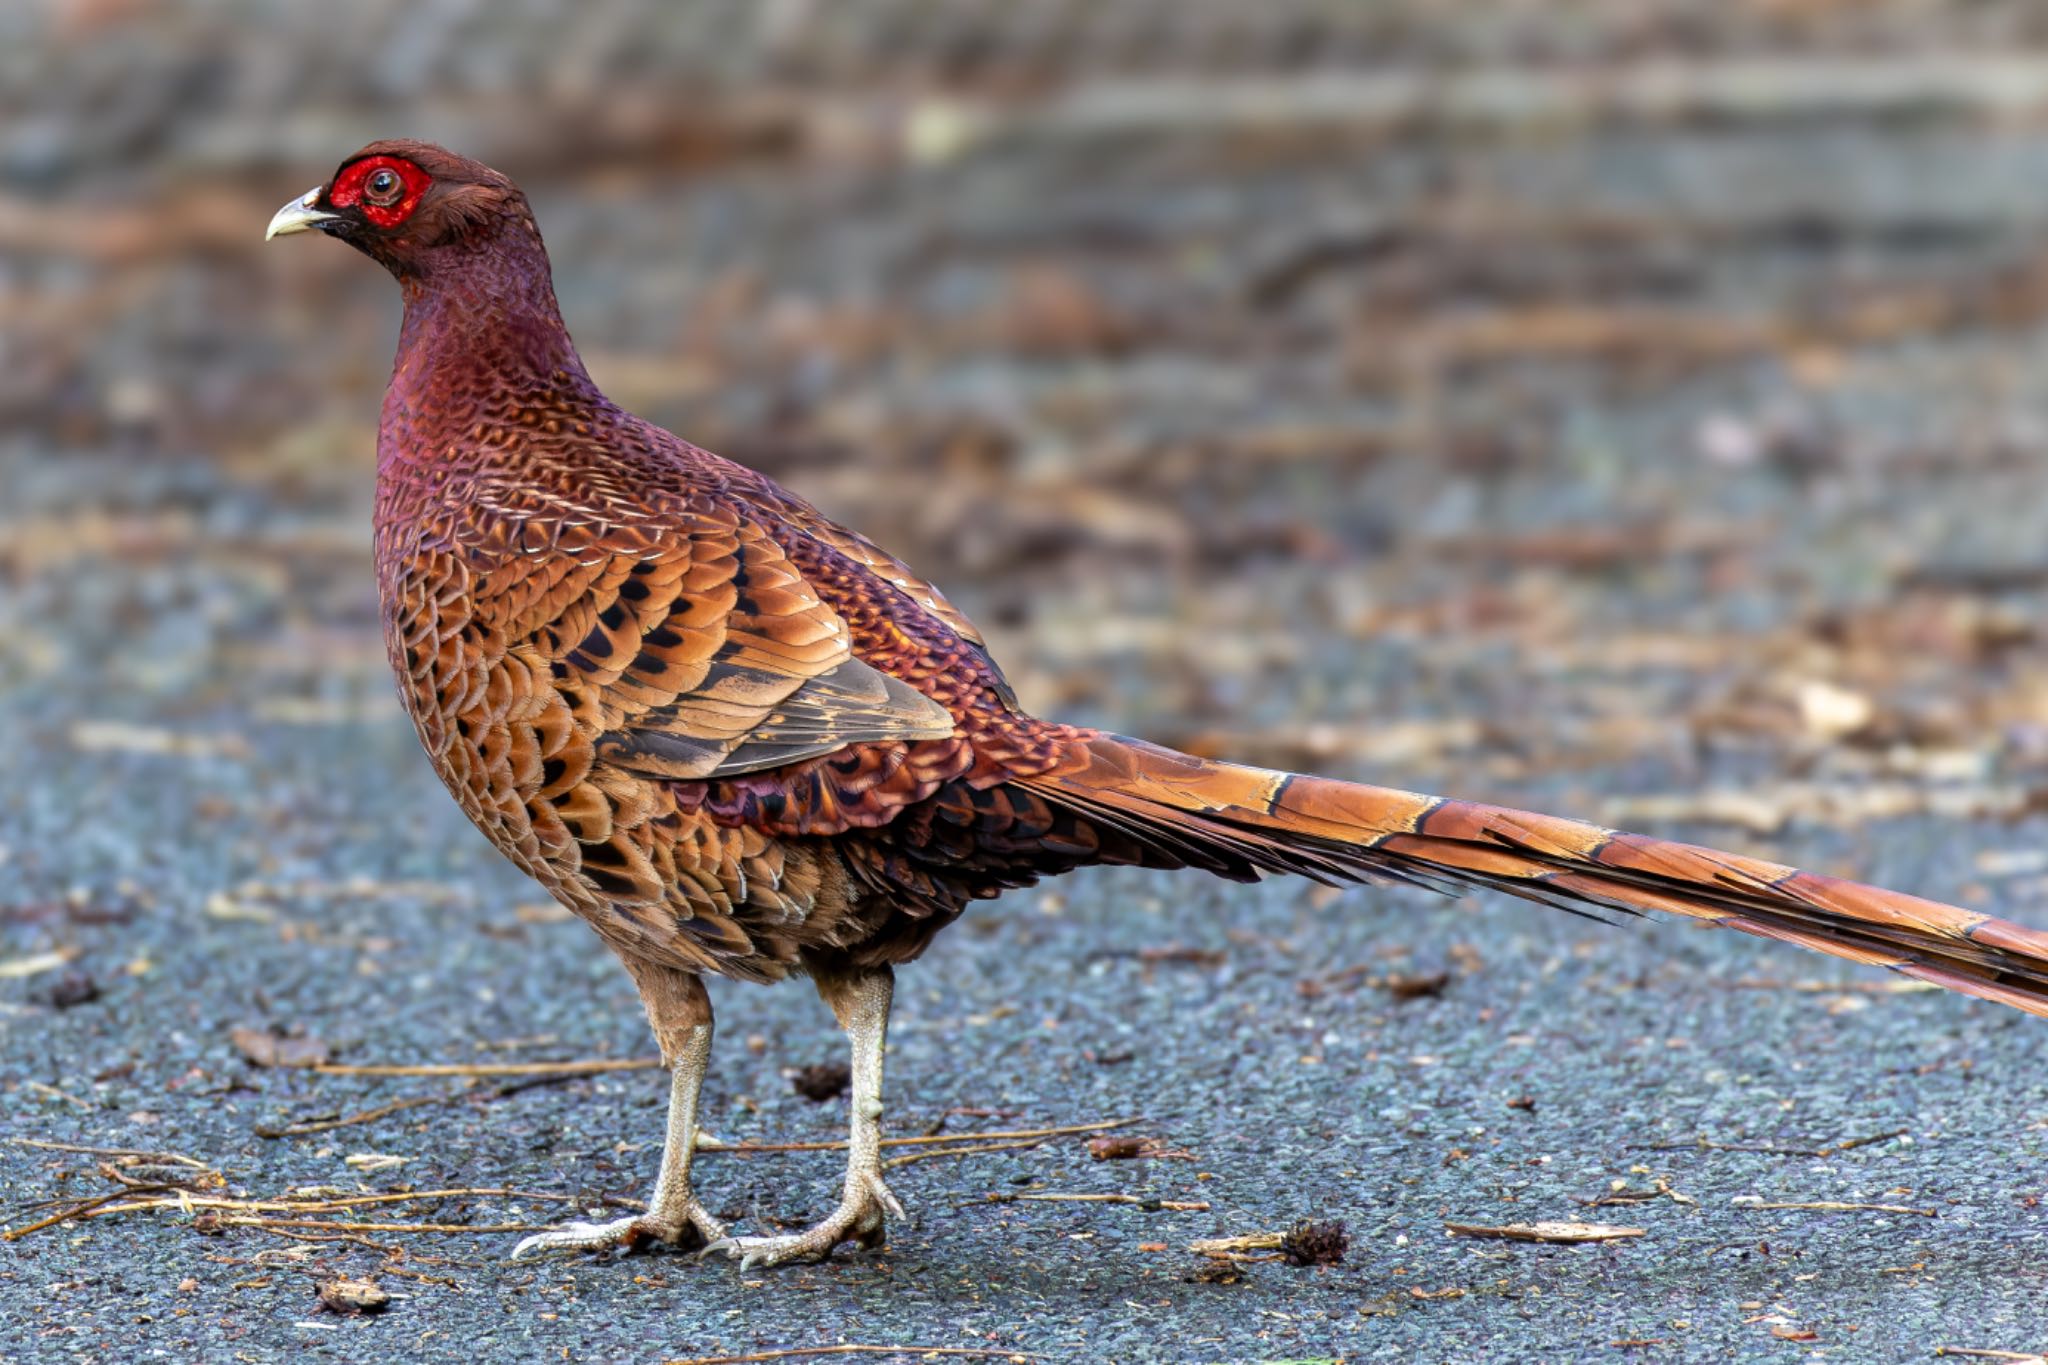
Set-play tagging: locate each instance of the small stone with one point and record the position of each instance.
(74, 989)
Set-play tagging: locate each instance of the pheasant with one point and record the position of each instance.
(739, 739)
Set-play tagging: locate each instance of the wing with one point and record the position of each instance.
(697, 649)
(792, 511)
(888, 568)
(844, 565)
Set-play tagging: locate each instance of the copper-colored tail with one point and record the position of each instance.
(1232, 818)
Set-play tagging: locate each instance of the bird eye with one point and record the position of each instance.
(384, 186)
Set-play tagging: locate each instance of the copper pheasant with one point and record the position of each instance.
(737, 738)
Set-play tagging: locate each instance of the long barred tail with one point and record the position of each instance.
(1242, 821)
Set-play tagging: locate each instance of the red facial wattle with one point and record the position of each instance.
(355, 188)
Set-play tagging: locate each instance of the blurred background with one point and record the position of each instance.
(1470, 395)
(1635, 408)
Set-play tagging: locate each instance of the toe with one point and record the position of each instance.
(886, 1198)
(627, 1234)
(568, 1237)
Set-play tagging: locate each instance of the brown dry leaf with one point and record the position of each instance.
(1419, 986)
(353, 1298)
(821, 1082)
(1121, 1147)
(265, 1048)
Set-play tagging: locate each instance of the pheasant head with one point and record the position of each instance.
(418, 210)
(480, 310)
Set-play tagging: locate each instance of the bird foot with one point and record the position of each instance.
(626, 1234)
(861, 1218)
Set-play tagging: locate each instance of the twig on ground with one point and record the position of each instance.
(1051, 1197)
(589, 1067)
(1984, 1353)
(1561, 1233)
(294, 1234)
(794, 1352)
(85, 1209)
(1621, 1193)
(933, 1139)
(1771, 1149)
(1167, 955)
(330, 1203)
(36, 963)
(347, 1121)
(54, 1093)
(1746, 1201)
(1231, 1246)
(178, 1158)
(226, 1211)
(935, 1153)
(230, 1211)
(466, 1091)
(329, 1225)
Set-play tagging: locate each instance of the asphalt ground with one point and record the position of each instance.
(211, 850)
(1673, 463)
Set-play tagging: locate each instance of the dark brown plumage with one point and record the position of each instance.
(737, 738)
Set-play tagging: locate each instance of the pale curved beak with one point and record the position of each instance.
(298, 216)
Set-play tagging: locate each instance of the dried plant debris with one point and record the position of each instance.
(72, 990)
(1747, 1201)
(267, 1048)
(821, 1083)
(1621, 1192)
(1237, 1246)
(353, 1298)
(1314, 1242)
(1217, 1270)
(1062, 1197)
(1402, 986)
(172, 1182)
(1309, 1242)
(1562, 1233)
(1125, 1147)
(1415, 986)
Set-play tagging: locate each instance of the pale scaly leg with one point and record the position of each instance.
(680, 1011)
(860, 998)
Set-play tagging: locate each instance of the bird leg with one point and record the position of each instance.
(680, 1011)
(860, 998)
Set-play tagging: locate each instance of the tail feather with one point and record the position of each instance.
(1243, 821)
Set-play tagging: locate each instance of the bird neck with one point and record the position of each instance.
(483, 327)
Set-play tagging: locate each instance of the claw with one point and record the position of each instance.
(858, 1219)
(887, 1198)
